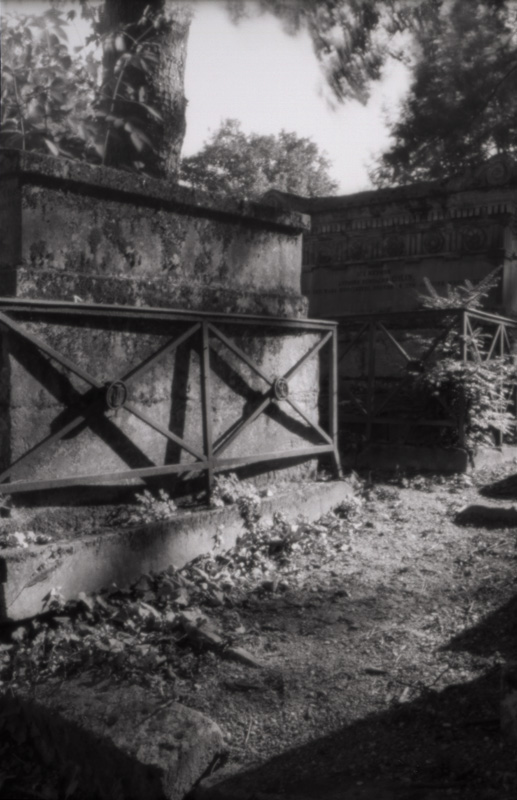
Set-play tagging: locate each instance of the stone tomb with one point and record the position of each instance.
(84, 234)
(370, 252)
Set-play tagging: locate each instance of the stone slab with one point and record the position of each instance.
(121, 742)
(488, 516)
(106, 181)
(428, 459)
(493, 456)
(120, 556)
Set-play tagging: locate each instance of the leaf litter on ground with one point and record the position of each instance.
(345, 574)
(149, 624)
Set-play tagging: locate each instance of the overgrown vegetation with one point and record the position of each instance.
(479, 389)
(381, 630)
(460, 107)
(248, 165)
(110, 103)
(60, 100)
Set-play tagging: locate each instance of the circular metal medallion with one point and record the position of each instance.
(356, 249)
(474, 239)
(394, 246)
(281, 388)
(116, 394)
(497, 173)
(434, 242)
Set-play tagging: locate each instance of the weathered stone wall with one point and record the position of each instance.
(71, 230)
(169, 393)
(78, 233)
(370, 252)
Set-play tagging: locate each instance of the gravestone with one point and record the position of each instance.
(76, 233)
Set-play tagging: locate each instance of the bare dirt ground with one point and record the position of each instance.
(380, 634)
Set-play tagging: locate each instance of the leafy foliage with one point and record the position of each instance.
(151, 508)
(247, 165)
(461, 106)
(466, 295)
(45, 92)
(229, 490)
(483, 388)
(351, 38)
(63, 102)
(479, 390)
(103, 105)
(147, 508)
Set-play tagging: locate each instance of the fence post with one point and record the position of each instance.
(500, 440)
(333, 399)
(464, 358)
(371, 379)
(206, 405)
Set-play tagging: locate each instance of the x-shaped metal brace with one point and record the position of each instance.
(101, 398)
(106, 396)
(278, 389)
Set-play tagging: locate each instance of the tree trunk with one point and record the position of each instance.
(163, 82)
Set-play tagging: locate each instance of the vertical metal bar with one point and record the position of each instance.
(333, 405)
(464, 356)
(501, 386)
(371, 380)
(464, 320)
(510, 339)
(206, 407)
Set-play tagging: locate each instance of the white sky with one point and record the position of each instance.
(268, 80)
(256, 73)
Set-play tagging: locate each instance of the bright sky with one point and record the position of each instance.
(256, 73)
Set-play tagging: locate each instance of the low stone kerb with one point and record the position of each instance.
(120, 556)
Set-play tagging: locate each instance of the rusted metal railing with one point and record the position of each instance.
(202, 331)
(372, 395)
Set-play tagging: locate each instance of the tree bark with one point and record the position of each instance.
(164, 81)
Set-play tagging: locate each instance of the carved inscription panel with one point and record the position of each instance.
(388, 287)
(384, 270)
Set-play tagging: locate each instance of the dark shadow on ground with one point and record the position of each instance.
(507, 487)
(496, 633)
(443, 744)
(482, 516)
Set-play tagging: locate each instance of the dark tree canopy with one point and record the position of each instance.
(351, 38)
(134, 117)
(128, 111)
(247, 165)
(461, 108)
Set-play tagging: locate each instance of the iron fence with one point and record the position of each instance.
(103, 397)
(380, 355)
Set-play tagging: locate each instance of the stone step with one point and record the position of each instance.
(123, 743)
(90, 563)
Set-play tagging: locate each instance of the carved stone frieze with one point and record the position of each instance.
(433, 242)
(474, 239)
(334, 251)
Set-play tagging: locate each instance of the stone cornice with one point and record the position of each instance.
(457, 237)
(496, 207)
(107, 183)
(489, 190)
